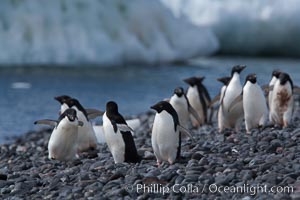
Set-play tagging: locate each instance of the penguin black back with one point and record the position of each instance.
(115, 117)
(202, 91)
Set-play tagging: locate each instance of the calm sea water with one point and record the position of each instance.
(27, 93)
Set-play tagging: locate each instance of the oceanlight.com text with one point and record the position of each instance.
(206, 188)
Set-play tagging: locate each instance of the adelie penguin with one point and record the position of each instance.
(234, 117)
(254, 104)
(225, 81)
(118, 136)
(63, 140)
(166, 133)
(183, 108)
(199, 99)
(86, 134)
(275, 76)
(282, 102)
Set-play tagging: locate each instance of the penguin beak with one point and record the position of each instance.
(201, 78)
(58, 99)
(187, 80)
(153, 107)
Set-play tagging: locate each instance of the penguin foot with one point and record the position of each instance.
(158, 163)
(285, 124)
(171, 161)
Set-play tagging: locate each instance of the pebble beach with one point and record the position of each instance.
(262, 165)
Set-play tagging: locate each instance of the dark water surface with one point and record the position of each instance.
(27, 93)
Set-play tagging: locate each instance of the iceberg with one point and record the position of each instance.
(254, 27)
(105, 33)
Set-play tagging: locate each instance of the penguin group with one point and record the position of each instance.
(257, 106)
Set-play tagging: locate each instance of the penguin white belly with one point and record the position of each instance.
(220, 112)
(86, 133)
(270, 95)
(255, 107)
(233, 119)
(63, 141)
(282, 104)
(114, 141)
(99, 132)
(164, 139)
(194, 99)
(181, 107)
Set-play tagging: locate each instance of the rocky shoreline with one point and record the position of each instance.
(213, 167)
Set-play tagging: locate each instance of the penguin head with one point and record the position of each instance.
(62, 99)
(276, 73)
(251, 78)
(161, 106)
(225, 80)
(111, 107)
(284, 78)
(70, 113)
(192, 81)
(237, 69)
(179, 91)
(75, 103)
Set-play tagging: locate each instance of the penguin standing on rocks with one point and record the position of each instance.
(182, 106)
(63, 140)
(254, 104)
(275, 76)
(118, 136)
(234, 117)
(86, 134)
(166, 133)
(282, 103)
(225, 81)
(199, 99)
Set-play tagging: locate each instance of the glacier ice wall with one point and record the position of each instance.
(106, 32)
(252, 27)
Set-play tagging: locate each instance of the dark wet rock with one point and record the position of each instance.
(3, 177)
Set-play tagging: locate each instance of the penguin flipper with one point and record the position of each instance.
(121, 127)
(124, 127)
(237, 100)
(93, 113)
(195, 114)
(214, 100)
(185, 131)
(49, 122)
